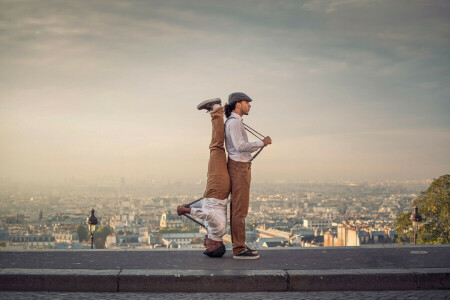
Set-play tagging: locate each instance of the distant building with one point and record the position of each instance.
(61, 246)
(317, 223)
(4, 237)
(300, 230)
(111, 241)
(270, 232)
(130, 241)
(180, 238)
(66, 237)
(169, 220)
(172, 245)
(382, 237)
(346, 236)
(30, 241)
(312, 241)
(272, 242)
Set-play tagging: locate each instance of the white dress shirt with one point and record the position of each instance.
(236, 140)
(213, 212)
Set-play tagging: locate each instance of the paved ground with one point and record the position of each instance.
(436, 294)
(279, 270)
(279, 259)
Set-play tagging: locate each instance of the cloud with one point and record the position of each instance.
(123, 77)
(329, 6)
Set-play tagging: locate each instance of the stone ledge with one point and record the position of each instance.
(352, 279)
(203, 281)
(59, 280)
(84, 280)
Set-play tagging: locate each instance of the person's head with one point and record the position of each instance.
(214, 248)
(238, 103)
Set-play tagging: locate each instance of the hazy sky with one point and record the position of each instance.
(347, 89)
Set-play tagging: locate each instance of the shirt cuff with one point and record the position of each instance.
(260, 143)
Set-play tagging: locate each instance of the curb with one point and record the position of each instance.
(84, 280)
(59, 280)
(203, 281)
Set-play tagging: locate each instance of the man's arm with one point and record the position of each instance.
(239, 143)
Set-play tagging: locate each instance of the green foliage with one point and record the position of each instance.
(100, 236)
(403, 227)
(83, 232)
(99, 242)
(434, 206)
(251, 226)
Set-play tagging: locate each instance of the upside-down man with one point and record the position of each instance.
(212, 209)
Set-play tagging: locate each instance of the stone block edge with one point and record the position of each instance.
(143, 280)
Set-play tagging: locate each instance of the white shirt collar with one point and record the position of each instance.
(236, 116)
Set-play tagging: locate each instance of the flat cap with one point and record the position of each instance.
(236, 97)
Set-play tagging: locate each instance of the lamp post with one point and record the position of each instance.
(416, 218)
(92, 221)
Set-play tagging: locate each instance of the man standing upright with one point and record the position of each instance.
(239, 168)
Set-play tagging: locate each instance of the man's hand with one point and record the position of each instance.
(267, 141)
(182, 209)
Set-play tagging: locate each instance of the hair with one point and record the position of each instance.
(229, 108)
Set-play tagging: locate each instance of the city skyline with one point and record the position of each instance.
(348, 90)
(302, 215)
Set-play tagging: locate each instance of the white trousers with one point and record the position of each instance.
(213, 212)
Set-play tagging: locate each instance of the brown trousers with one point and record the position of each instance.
(240, 175)
(218, 183)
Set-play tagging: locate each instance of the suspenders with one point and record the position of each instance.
(253, 132)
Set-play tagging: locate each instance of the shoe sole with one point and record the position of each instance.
(246, 257)
(210, 101)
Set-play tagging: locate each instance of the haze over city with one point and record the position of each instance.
(346, 89)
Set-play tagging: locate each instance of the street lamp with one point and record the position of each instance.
(92, 221)
(416, 218)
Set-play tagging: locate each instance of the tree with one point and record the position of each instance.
(83, 232)
(99, 242)
(403, 227)
(100, 236)
(434, 206)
